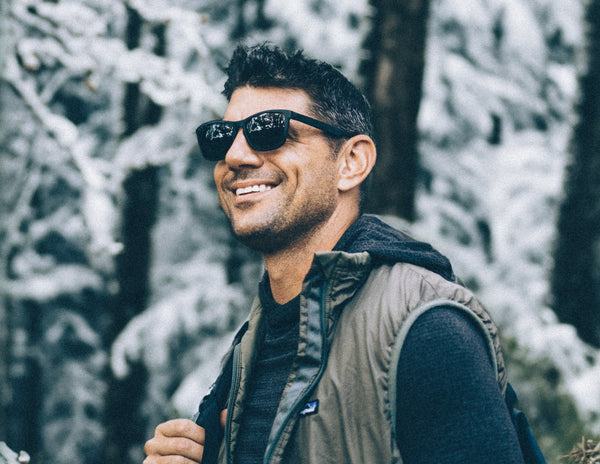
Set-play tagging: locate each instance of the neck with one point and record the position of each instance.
(288, 268)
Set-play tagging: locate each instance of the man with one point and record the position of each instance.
(361, 347)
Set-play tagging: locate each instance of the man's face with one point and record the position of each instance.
(297, 183)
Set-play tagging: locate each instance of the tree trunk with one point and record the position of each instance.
(394, 86)
(124, 422)
(576, 276)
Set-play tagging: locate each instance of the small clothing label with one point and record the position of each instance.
(310, 408)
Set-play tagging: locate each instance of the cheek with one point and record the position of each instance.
(321, 178)
(218, 175)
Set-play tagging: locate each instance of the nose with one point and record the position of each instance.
(240, 154)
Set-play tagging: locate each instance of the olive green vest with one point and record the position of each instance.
(339, 403)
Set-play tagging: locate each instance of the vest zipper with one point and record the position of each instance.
(302, 399)
(235, 382)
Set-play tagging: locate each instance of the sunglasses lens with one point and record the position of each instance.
(214, 139)
(263, 132)
(266, 131)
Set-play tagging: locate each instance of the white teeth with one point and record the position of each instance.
(253, 188)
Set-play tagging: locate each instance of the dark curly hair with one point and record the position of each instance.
(335, 99)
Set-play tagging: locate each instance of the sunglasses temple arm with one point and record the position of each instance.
(319, 125)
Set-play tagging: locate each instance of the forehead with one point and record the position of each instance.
(246, 101)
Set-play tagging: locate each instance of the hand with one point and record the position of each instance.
(178, 441)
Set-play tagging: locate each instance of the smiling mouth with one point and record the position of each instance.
(252, 189)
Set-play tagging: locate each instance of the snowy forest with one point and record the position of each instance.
(120, 282)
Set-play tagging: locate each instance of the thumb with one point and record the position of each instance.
(223, 417)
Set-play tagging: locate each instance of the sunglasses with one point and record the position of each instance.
(264, 131)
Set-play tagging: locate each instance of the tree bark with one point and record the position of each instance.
(576, 275)
(394, 86)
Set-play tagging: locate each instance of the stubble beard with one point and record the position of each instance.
(286, 228)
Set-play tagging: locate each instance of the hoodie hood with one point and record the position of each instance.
(387, 245)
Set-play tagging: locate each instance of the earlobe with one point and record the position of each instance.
(356, 160)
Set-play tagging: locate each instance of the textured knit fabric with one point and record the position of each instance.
(271, 371)
(388, 245)
(450, 409)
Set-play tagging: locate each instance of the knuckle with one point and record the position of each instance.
(183, 446)
(148, 446)
(179, 427)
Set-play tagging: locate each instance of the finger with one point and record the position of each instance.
(169, 460)
(174, 448)
(223, 417)
(178, 440)
(181, 428)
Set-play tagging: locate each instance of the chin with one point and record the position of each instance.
(264, 242)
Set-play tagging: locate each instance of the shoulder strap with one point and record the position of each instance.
(529, 447)
(209, 410)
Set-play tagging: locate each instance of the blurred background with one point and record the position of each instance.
(120, 283)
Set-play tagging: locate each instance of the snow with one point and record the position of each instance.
(49, 285)
(329, 36)
(188, 311)
(186, 398)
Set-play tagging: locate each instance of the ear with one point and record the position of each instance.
(356, 159)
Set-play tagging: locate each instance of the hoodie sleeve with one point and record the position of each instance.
(451, 409)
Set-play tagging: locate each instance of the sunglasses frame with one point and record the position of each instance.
(242, 124)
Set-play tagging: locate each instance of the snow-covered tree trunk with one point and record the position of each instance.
(125, 431)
